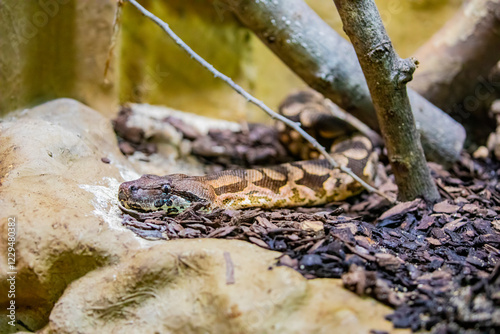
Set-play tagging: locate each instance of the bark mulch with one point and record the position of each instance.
(438, 266)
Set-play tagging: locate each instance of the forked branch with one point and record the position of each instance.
(387, 75)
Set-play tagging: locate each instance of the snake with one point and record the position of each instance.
(301, 183)
(310, 182)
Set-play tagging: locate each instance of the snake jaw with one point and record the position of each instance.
(172, 205)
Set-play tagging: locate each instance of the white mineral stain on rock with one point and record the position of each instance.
(106, 207)
(105, 201)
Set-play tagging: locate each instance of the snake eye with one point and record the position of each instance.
(133, 188)
(165, 188)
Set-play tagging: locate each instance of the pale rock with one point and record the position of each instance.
(445, 207)
(481, 153)
(63, 198)
(80, 271)
(209, 286)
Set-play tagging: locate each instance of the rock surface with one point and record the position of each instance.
(215, 286)
(79, 270)
(62, 196)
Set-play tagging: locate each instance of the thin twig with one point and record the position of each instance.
(251, 99)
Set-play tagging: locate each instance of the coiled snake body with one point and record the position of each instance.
(303, 183)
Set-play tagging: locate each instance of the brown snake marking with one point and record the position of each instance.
(302, 183)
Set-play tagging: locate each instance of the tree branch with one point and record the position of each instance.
(387, 75)
(463, 52)
(328, 63)
(252, 99)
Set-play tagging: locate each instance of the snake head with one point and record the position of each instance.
(172, 193)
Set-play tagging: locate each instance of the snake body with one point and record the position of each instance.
(302, 183)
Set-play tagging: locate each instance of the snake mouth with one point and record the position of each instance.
(138, 207)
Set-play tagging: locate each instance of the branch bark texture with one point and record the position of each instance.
(328, 63)
(387, 75)
(460, 56)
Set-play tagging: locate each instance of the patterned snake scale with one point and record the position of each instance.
(302, 183)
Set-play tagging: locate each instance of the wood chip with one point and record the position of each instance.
(388, 261)
(433, 241)
(258, 242)
(470, 208)
(426, 222)
(315, 226)
(454, 225)
(445, 207)
(286, 260)
(496, 225)
(265, 222)
(400, 209)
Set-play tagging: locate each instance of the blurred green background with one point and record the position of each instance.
(58, 48)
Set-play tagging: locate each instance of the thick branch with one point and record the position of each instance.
(327, 63)
(460, 56)
(251, 99)
(387, 75)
